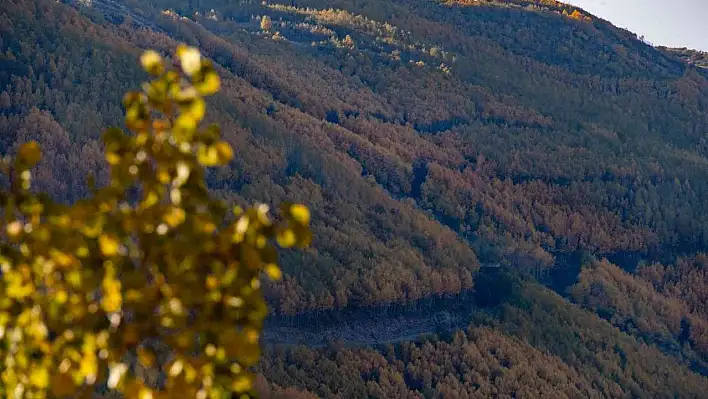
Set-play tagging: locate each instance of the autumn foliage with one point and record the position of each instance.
(150, 260)
(447, 137)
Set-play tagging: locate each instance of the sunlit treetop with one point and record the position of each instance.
(150, 257)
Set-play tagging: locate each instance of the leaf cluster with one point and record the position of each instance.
(151, 256)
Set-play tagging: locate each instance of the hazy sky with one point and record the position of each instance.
(673, 23)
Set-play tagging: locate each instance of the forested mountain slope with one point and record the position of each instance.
(694, 57)
(430, 138)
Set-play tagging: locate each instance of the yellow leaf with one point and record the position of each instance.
(150, 199)
(156, 92)
(14, 229)
(82, 252)
(152, 62)
(189, 59)
(207, 156)
(184, 127)
(115, 374)
(210, 84)
(211, 282)
(190, 374)
(163, 176)
(93, 226)
(251, 335)
(207, 227)
(174, 216)
(195, 109)
(145, 393)
(61, 297)
(61, 258)
(183, 172)
(30, 153)
(61, 220)
(300, 213)
(88, 366)
(224, 151)
(214, 155)
(137, 113)
(74, 278)
(112, 300)
(241, 384)
(40, 377)
(286, 237)
(175, 368)
(109, 245)
(184, 95)
(273, 271)
(129, 100)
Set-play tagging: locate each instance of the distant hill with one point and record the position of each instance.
(432, 139)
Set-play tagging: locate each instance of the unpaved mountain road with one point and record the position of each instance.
(372, 326)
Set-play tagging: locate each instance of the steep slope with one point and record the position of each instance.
(280, 156)
(529, 133)
(534, 345)
(586, 134)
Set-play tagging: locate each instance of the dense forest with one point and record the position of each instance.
(534, 345)
(433, 140)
